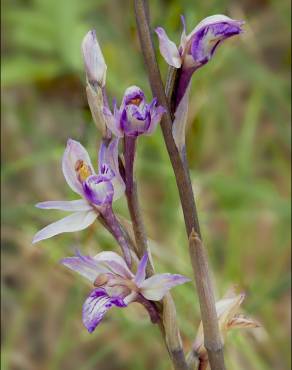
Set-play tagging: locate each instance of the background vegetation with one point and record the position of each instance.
(239, 149)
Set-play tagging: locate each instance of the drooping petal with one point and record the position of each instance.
(180, 120)
(75, 222)
(114, 263)
(75, 153)
(64, 205)
(86, 266)
(226, 308)
(93, 59)
(242, 322)
(158, 285)
(95, 307)
(141, 271)
(168, 49)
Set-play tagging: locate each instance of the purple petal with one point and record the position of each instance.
(114, 263)
(113, 121)
(168, 49)
(210, 33)
(75, 222)
(75, 152)
(95, 307)
(86, 266)
(93, 59)
(98, 190)
(141, 271)
(63, 205)
(156, 114)
(158, 285)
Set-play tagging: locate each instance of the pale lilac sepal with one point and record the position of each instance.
(86, 266)
(75, 222)
(93, 59)
(64, 205)
(74, 151)
(158, 285)
(114, 264)
(141, 271)
(96, 306)
(168, 49)
(180, 120)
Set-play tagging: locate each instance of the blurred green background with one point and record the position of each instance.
(239, 152)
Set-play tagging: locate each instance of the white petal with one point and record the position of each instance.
(158, 285)
(63, 205)
(74, 152)
(168, 49)
(180, 120)
(75, 222)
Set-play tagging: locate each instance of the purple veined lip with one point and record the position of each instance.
(98, 190)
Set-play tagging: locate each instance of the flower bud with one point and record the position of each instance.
(95, 66)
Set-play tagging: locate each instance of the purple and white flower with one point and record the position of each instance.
(97, 191)
(134, 117)
(194, 51)
(116, 285)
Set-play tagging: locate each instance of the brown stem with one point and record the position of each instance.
(212, 339)
(181, 171)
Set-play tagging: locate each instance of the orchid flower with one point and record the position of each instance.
(116, 285)
(97, 191)
(194, 51)
(228, 318)
(134, 117)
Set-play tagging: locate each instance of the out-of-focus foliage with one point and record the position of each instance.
(238, 147)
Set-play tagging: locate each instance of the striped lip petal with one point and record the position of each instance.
(158, 285)
(86, 266)
(75, 222)
(75, 153)
(95, 307)
(114, 263)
